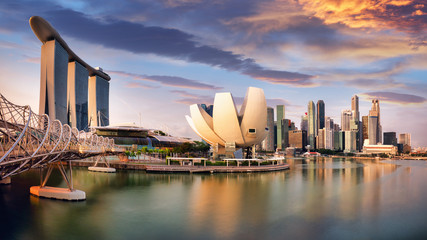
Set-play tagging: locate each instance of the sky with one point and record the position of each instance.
(163, 55)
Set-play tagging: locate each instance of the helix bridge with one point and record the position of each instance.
(29, 140)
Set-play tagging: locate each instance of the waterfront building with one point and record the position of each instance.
(130, 135)
(298, 139)
(379, 148)
(390, 138)
(227, 130)
(312, 126)
(280, 118)
(64, 85)
(320, 114)
(405, 138)
(268, 143)
(346, 117)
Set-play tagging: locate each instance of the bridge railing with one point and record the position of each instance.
(29, 140)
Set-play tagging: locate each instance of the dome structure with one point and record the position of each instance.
(227, 126)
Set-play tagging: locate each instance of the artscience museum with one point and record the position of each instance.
(227, 129)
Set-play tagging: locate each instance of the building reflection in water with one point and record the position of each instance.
(319, 196)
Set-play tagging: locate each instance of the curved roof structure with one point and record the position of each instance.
(45, 32)
(226, 126)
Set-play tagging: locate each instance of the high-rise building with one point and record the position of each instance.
(355, 107)
(329, 133)
(357, 123)
(341, 140)
(304, 123)
(77, 95)
(268, 143)
(320, 139)
(375, 112)
(373, 130)
(312, 126)
(66, 93)
(350, 141)
(346, 117)
(53, 81)
(365, 128)
(280, 111)
(286, 127)
(390, 138)
(98, 101)
(298, 139)
(405, 138)
(320, 114)
(337, 140)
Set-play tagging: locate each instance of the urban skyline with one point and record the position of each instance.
(315, 51)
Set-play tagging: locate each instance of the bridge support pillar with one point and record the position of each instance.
(106, 169)
(69, 193)
(5, 181)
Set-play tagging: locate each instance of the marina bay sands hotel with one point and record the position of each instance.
(70, 89)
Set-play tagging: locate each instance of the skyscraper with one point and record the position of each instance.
(405, 138)
(373, 130)
(355, 107)
(365, 128)
(66, 93)
(357, 122)
(375, 112)
(329, 133)
(320, 139)
(346, 117)
(390, 138)
(77, 95)
(268, 143)
(350, 141)
(98, 102)
(320, 114)
(312, 126)
(304, 123)
(280, 111)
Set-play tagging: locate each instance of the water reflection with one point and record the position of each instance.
(321, 198)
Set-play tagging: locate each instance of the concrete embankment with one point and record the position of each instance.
(214, 169)
(158, 166)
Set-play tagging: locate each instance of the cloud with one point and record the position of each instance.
(369, 83)
(139, 85)
(138, 38)
(394, 98)
(172, 81)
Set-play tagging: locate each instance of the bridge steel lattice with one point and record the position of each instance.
(29, 140)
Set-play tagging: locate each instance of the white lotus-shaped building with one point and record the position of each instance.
(226, 126)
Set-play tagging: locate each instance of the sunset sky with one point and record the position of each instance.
(163, 55)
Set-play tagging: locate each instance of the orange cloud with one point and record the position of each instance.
(379, 14)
